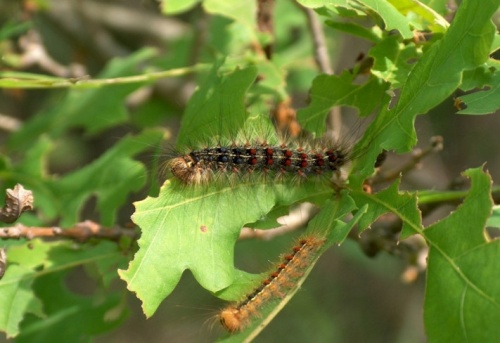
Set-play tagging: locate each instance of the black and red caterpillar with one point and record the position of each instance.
(274, 162)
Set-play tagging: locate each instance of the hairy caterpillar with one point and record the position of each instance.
(238, 316)
(291, 160)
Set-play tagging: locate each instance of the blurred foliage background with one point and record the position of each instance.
(348, 297)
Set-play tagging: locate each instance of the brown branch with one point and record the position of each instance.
(80, 232)
(17, 201)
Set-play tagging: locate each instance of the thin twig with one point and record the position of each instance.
(265, 22)
(436, 145)
(325, 65)
(80, 232)
(200, 32)
(7, 78)
(34, 53)
(385, 237)
(128, 20)
(320, 50)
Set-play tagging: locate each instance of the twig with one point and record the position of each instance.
(320, 50)
(265, 22)
(130, 20)
(200, 37)
(324, 64)
(95, 83)
(19, 200)
(385, 237)
(34, 53)
(436, 145)
(80, 21)
(80, 232)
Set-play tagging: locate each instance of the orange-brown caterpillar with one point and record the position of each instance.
(274, 162)
(237, 316)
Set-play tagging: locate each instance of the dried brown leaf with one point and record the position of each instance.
(17, 201)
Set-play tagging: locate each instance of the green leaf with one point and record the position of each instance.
(392, 13)
(171, 7)
(465, 46)
(330, 218)
(330, 90)
(392, 60)
(26, 263)
(440, 6)
(343, 7)
(71, 317)
(463, 274)
(478, 77)
(112, 177)
(244, 12)
(16, 298)
(488, 100)
(320, 3)
(16, 295)
(421, 16)
(11, 28)
(217, 109)
(196, 229)
(390, 200)
(355, 30)
(494, 220)
(392, 18)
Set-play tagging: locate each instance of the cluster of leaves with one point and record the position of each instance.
(238, 88)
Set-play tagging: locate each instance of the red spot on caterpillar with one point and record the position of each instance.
(278, 283)
(203, 228)
(319, 161)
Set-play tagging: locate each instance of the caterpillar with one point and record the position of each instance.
(277, 284)
(291, 160)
